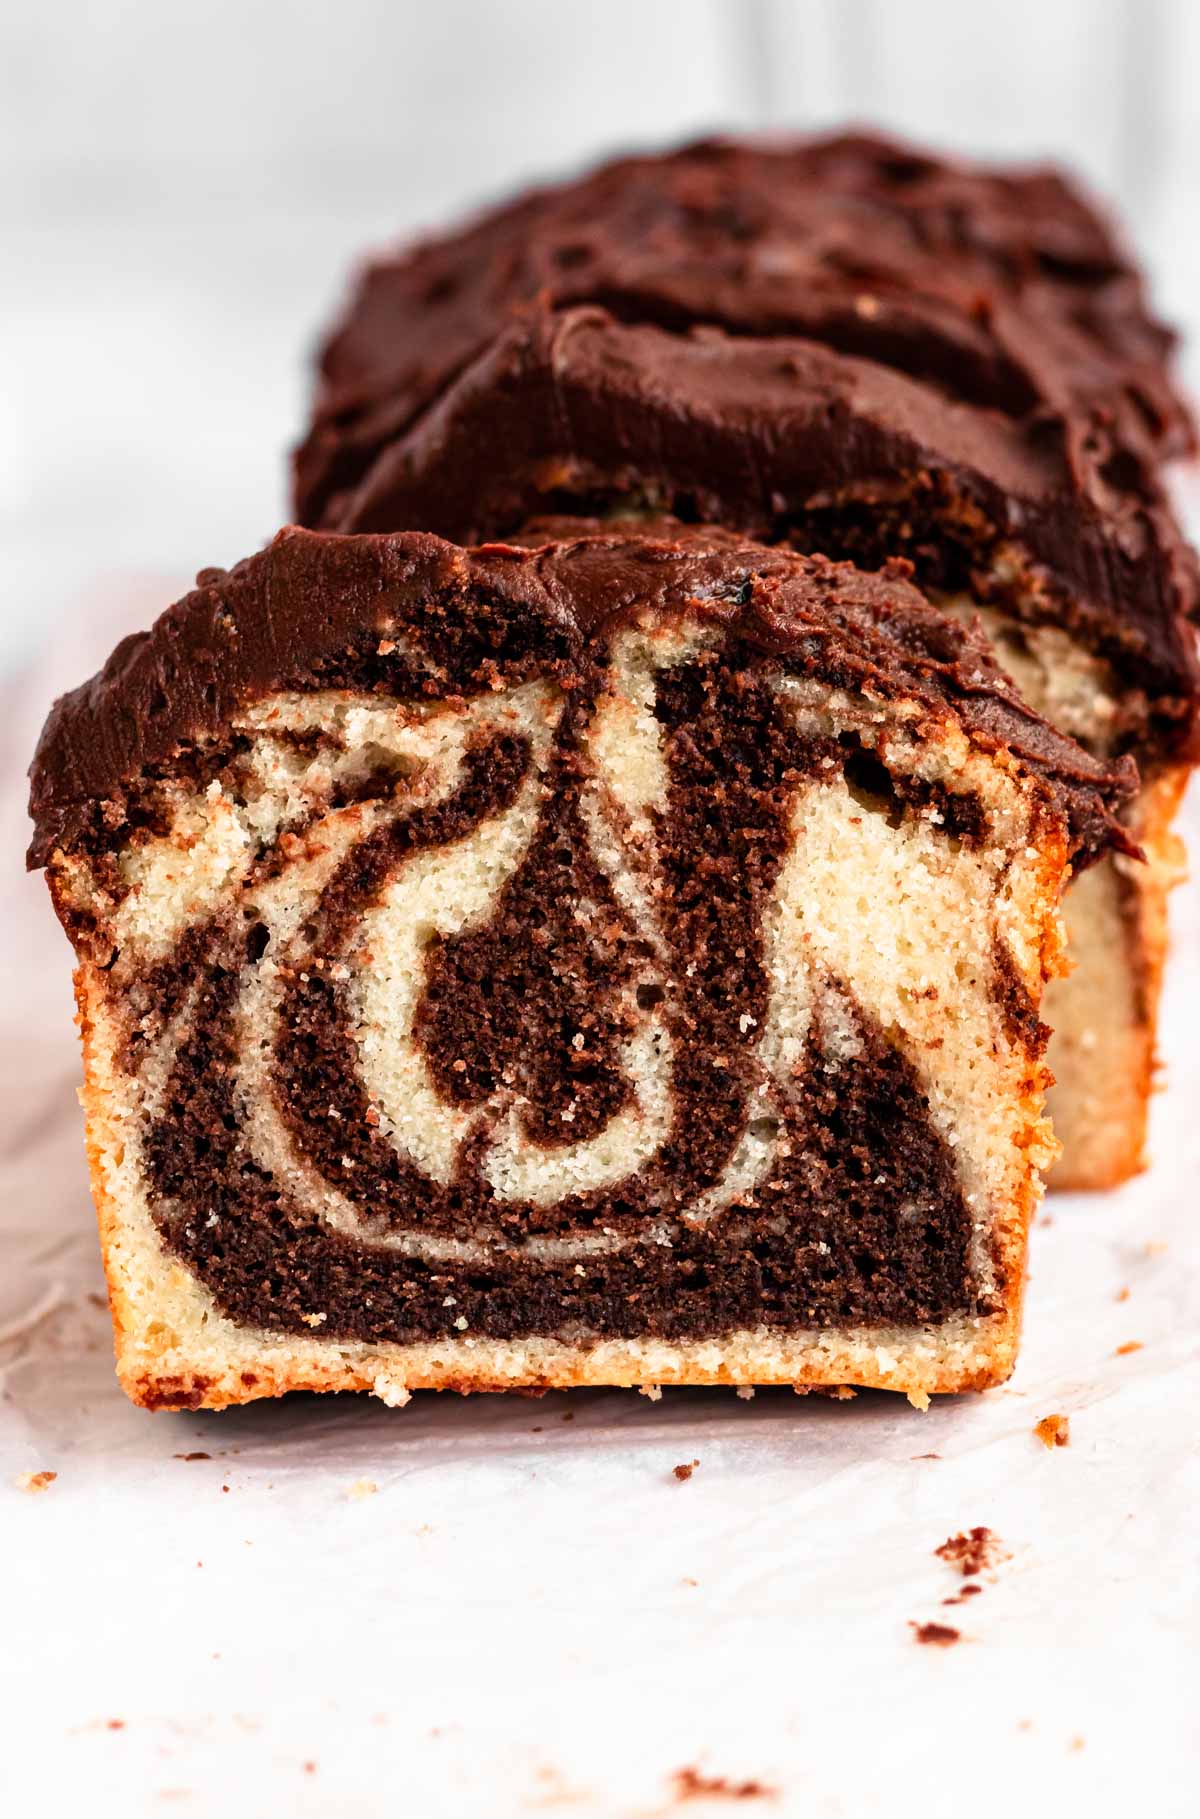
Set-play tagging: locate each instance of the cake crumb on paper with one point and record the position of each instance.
(33, 1482)
(692, 1784)
(972, 1553)
(1054, 1430)
(935, 1635)
(362, 1487)
(389, 1391)
(1130, 1345)
(684, 1472)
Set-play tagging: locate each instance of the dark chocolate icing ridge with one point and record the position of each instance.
(574, 408)
(315, 610)
(1004, 287)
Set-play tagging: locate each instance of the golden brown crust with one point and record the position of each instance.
(1103, 1054)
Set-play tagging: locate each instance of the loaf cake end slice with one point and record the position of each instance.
(615, 961)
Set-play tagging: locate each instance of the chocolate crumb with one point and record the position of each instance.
(1054, 1430)
(926, 1456)
(973, 1552)
(191, 1455)
(684, 1472)
(691, 1784)
(970, 1590)
(938, 1635)
(225, 1487)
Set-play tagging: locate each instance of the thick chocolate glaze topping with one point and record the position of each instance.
(787, 441)
(1004, 287)
(319, 611)
(786, 340)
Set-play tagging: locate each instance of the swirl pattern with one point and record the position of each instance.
(609, 1009)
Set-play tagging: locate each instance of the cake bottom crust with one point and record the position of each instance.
(967, 1354)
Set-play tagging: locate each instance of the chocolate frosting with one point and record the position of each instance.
(738, 332)
(1004, 286)
(305, 611)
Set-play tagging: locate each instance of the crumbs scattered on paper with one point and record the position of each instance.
(684, 1472)
(1130, 1345)
(362, 1487)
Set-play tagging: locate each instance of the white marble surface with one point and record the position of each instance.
(529, 1613)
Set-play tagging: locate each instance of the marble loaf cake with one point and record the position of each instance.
(609, 961)
(850, 347)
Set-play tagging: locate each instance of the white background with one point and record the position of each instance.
(522, 1621)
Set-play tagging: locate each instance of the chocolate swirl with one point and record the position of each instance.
(513, 1051)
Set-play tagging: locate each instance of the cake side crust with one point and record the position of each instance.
(1104, 1014)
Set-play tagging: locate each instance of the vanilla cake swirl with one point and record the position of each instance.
(614, 961)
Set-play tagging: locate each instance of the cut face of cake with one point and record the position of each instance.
(855, 349)
(611, 962)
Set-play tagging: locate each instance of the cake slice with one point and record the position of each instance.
(853, 347)
(615, 961)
